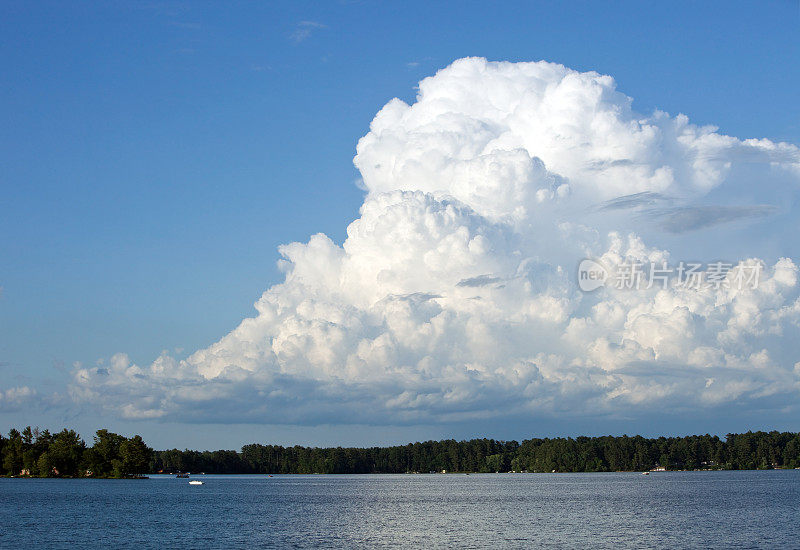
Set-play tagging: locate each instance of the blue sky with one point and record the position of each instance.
(154, 155)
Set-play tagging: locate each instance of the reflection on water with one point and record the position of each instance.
(672, 509)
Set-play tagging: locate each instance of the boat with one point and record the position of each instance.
(645, 473)
(195, 482)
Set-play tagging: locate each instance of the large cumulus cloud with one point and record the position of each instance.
(454, 294)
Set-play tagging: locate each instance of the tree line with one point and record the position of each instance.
(39, 453)
(751, 450)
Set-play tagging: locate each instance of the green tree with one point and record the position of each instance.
(44, 466)
(494, 463)
(13, 455)
(66, 451)
(100, 459)
(135, 456)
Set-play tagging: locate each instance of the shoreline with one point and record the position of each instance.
(173, 476)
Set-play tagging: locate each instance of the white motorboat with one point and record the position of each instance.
(195, 482)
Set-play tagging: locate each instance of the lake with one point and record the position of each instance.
(666, 509)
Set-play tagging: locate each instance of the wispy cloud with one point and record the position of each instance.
(682, 219)
(304, 29)
(189, 25)
(169, 9)
(636, 200)
(481, 280)
(691, 218)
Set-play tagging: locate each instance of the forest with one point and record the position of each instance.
(38, 453)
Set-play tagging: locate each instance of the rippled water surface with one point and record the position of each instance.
(671, 509)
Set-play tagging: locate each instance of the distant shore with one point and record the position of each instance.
(160, 475)
(38, 453)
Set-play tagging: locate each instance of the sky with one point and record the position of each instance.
(154, 156)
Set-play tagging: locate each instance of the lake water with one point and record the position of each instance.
(670, 509)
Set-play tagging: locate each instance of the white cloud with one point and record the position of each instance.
(304, 29)
(454, 297)
(13, 399)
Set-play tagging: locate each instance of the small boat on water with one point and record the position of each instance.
(195, 482)
(645, 473)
